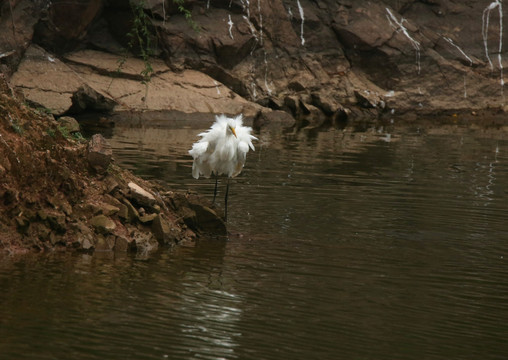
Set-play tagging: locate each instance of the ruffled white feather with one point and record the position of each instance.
(219, 151)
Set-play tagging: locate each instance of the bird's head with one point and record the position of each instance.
(232, 130)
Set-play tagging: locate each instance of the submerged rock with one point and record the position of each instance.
(208, 221)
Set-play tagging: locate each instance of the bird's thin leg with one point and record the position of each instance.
(226, 202)
(215, 190)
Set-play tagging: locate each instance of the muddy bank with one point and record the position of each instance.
(59, 191)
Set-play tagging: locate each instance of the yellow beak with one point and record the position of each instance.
(233, 131)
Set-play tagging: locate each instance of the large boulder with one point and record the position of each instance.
(17, 21)
(46, 81)
(65, 22)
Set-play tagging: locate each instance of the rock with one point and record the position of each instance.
(291, 102)
(111, 200)
(313, 117)
(189, 91)
(57, 221)
(132, 214)
(69, 123)
(274, 119)
(103, 224)
(22, 15)
(39, 230)
(340, 116)
(22, 224)
(99, 153)
(87, 99)
(197, 214)
(161, 228)
(105, 242)
(123, 212)
(147, 218)
(208, 221)
(44, 80)
(145, 242)
(42, 214)
(108, 209)
(366, 99)
(86, 241)
(111, 185)
(84, 236)
(140, 195)
(60, 203)
(432, 55)
(325, 103)
(189, 217)
(121, 244)
(65, 22)
(54, 238)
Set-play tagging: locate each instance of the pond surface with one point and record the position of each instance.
(377, 243)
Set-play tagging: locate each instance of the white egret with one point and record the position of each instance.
(222, 150)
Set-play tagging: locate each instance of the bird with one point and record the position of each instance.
(222, 150)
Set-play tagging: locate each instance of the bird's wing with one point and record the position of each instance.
(243, 148)
(200, 154)
(198, 148)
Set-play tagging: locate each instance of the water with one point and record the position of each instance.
(377, 243)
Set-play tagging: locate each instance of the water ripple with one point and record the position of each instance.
(351, 247)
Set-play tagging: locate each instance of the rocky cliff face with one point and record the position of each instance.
(316, 60)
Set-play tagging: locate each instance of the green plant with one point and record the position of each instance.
(187, 14)
(51, 132)
(43, 110)
(78, 137)
(64, 131)
(141, 36)
(15, 125)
